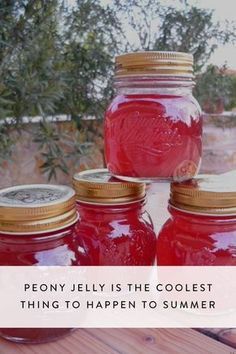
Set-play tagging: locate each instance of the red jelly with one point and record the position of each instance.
(153, 127)
(202, 227)
(113, 226)
(37, 229)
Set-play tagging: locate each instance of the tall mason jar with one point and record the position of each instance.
(153, 126)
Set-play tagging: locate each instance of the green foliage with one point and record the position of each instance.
(143, 18)
(181, 27)
(6, 143)
(215, 90)
(232, 101)
(32, 74)
(5, 103)
(55, 59)
(91, 42)
(192, 29)
(57, 146)
(51, 150)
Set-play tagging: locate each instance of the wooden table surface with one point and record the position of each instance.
(124, 341)
(136, 341)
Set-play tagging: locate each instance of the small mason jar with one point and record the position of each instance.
(37, 229)
(202, 228)
(113, 227)
(153, 126)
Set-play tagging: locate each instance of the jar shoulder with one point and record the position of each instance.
(36, 251)
(115, 227)
(211, 229)
(196, 244)
(155, 101)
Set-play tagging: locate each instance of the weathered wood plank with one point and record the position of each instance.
(169, 341)
(124, 341)
(79, 342)
(224, 335)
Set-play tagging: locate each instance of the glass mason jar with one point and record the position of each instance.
(113, 226)
(37, 229)
(153, 127)
(202, 228)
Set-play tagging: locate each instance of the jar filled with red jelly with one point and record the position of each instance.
(153, 126)
(113, 227)
(37, 229)
(202, 228)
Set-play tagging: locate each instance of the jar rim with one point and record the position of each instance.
(206, 213)
(99, 186)
(205, 195)
(116, 203)
(154, 82)
(40, 232)
(36, 207)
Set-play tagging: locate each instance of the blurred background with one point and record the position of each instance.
(56, 69)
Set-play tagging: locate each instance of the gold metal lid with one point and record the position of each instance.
(212, 195)
(99, 187)
(158, 63)
(36, 208)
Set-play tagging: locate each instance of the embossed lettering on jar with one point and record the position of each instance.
(153, 127)
(37, 229)
(202, 227)
(113, 226)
